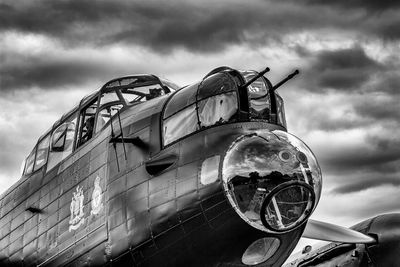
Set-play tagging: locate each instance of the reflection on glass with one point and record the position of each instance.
(42, 152)
(209, 170)
(217, 109)
(182, 123)
(259, 99)
(216, 84)
(29, 162)
(288, 207)
(142, 93)
(257, 164)
(105, 115)
(260, 250)
(62, 143)
(280, 111)
(182, 98)
(108, 97)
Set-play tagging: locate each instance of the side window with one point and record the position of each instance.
(211, 102)
(42, 153)
(108, 97)
(105, 115)
(142, 93)
(259, 98)
(280, 110)
(62, 142)
(180, 124)
(30, 160)
(218, 109)
(86, 125)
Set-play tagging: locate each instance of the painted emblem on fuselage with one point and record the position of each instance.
(97, 205)
(76, 209)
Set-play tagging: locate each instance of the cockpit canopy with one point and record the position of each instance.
(220, 98)
(90, 116)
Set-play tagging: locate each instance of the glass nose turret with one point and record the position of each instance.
(272, 179)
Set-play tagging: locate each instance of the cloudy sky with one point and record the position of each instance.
(344, 105)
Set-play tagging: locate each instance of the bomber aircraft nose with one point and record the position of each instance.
(272, 179)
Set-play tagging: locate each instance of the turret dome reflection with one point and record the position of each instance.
(272, 179)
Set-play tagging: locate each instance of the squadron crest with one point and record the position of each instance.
(97, 205)
(76, 208)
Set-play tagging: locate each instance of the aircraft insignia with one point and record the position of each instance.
(76, 209)
(97, 205)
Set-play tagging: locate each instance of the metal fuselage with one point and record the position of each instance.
(120, 204)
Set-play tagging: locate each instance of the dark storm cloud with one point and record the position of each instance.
(364, 183)
(343, 69)
(369, 5)
(378, 152)
(47, 72)
(162, 26)
(379, 110)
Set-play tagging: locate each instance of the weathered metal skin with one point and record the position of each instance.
(106, 205)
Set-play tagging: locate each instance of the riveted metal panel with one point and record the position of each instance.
(117, 218)
(186, 187)
(34, 183)
(15, 234)
(31, 223)
(191, 149)
(18, 220)
(165, 180)
(16, 245)
(193, 223)
(137, 176)
(139, 228)
(22, 190)
(42, 245)
(117, 186)
(44, 201)
(163, 217)
(137, 192)
(17, 258)
(116, 203)
(213, 200)
(98, 161)
(29, 251)
(188, 206)
(161, 197)
(137, 208)
(119, 240)
(216, 210)
(30, 235)
(188, 171)
(42, 228)
(64, 211)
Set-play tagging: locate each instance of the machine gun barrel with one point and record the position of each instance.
(290, 76)
(260, 74)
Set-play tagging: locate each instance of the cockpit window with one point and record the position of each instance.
(259, 98)
(87, 123)
(62, 142)
(216, 84)
(217, 109)
(42, 152)
(181, 99)
(142, 93)
(180, 124)
(280, 110)
(211, 102)
(108, 97)
(105, 115)
(30, 160)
